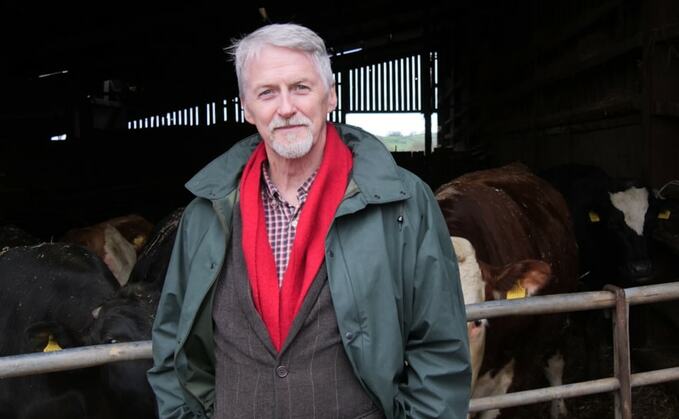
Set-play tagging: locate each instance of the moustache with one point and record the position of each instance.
(279, 122)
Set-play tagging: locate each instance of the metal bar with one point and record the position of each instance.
(621, 359)
(562, 303)
(655, 377)
(566, 391)
(519, 398)
(72, 358)
(20, 365)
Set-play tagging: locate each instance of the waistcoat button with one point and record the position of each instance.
(349, 335)
(282, 371)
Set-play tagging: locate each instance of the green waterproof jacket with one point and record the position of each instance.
(392, 275)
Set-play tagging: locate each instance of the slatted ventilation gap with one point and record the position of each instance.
(390, 86)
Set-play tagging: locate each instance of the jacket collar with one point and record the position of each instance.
(375, 176)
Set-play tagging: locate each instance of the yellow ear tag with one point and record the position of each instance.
(594, 217)
(517, 291)
(52, 345)
(138, 242)
(664, 214)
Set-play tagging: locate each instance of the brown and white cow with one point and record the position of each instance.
(513, 237)
(117, 242)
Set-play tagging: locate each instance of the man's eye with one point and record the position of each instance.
(301, 87)
(265, 93)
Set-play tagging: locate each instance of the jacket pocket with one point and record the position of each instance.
(374, 413)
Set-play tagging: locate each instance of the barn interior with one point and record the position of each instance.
(98, 103)
(109, 109)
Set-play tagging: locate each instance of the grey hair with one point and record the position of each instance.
(286, 35)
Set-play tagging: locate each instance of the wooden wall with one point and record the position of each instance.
(547, 83)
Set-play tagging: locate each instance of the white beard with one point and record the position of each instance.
(292, 145)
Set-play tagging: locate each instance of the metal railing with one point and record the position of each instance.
(621, 383)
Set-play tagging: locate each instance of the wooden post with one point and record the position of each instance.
(621, 360)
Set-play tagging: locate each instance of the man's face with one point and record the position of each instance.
(286, 99)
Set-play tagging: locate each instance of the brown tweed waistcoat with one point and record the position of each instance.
(310, 378)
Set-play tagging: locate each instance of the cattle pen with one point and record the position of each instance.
(612, 297)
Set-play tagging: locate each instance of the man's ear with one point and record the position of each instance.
(246, 112)
(332, 98)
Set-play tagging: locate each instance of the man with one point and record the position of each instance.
(311, 276)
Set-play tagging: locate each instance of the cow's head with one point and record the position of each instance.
(126, 318)
(622, 224)
(473, 290)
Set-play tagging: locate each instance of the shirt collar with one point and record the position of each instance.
(272, 192)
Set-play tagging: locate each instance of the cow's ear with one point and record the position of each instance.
(536, 275)
(47, 337)
(527, 277)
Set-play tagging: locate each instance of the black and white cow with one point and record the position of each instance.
(613, 220)
(58, 295)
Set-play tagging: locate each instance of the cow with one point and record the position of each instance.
(59, 295)
(117, 242)
(133, 227)
(513, 238)
(613, 219)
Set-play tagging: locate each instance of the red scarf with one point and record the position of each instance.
(278, 306)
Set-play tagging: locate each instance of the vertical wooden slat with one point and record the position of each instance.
(371, 91)
(621, 360)
(416, 81)
(384, 85)
(359, 90)
(345, 95)
(378, 86)
(409, 77)
(406, 84)
(402, 84)
(395, 86)
(371, 87)
(425, 82)
(375, 93)
(368, 86)
(391, 81)
(435, 65)
(352, 82)
(389, 84)
(364, 89)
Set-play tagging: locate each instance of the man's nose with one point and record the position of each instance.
(286, 107)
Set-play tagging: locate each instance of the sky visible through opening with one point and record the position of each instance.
(399, 131)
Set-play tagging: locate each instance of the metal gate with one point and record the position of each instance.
(612, 297)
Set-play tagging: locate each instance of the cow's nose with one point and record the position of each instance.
(641, 268)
